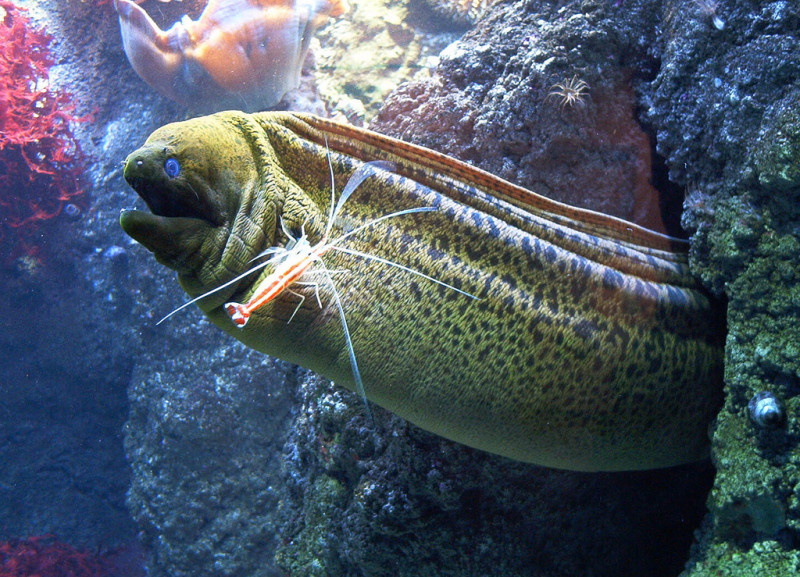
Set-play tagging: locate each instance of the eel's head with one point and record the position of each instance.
(221, 190)
(198, 179)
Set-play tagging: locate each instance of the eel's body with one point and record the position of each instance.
(591, 347)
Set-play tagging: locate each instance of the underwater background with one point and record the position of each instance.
(128, 448)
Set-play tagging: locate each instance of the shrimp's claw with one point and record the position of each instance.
(238, 313)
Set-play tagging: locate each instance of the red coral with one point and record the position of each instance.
(42, 557)
(40, 161)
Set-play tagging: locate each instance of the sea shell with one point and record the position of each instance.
(243, 54)
(766, 410)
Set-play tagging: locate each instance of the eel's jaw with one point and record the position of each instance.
(184, 202)
(169, 196)
(184, 216)
(175, 241)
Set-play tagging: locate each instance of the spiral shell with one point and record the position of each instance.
(766, 410)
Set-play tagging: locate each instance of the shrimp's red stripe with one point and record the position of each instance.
(283, 277)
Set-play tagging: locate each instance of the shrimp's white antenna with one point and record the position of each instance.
(362, 173)
(351, 352)
(384, 217)
(331, 210)
(405, 268)
(249, 271)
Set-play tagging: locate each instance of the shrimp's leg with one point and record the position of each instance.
(316, 285)
(286, 231)
(316, 290)
(297, 308)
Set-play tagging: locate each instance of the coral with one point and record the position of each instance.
(244, 54)
(366, 55)
(464, 12)
(45, 557)
(40, 160)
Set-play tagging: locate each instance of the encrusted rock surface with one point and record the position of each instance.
(493, 103)
(724, 105)
(203, 440)
(383, 497)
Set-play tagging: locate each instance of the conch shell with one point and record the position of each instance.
(243, 54)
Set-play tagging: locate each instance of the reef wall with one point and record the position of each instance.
(65, 344)
(725, 108)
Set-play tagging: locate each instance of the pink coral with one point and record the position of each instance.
(40, 160)
(44, 557)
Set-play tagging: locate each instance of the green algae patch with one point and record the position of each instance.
(722, 250)
(755, 503)
(324, 500)
(747, 248)
(764, 558)
(777, 156)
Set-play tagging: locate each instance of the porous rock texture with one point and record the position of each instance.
(496, 102)
(381, 497)
(725, 108)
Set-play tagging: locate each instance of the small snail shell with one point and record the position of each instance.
(766, 410)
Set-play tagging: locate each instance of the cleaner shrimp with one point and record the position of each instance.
(294, 260)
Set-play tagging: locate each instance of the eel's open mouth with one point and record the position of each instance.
(171, 197)
(169, 203)
(181, 215)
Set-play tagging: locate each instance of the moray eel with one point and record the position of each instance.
(590, 348)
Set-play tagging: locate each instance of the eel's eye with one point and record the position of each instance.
(172, 167)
